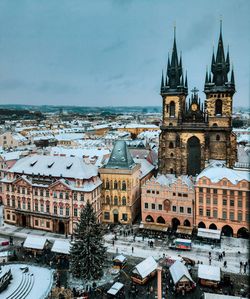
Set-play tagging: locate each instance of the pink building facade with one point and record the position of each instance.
(168, 200)
(48, 193)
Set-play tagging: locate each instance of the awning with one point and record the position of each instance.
(209, 233)
(154, 226)
(186, 230)
(115, 288)
(209, 272)
(61, 246)
(35, 242)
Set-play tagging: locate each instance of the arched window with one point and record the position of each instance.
(124, 187)
(107, 184)
(218, 107)
(115, 185)
(171, 145)
(107, 200)
(124, 201)
(218, 137)
(172, 109)
(116, 201)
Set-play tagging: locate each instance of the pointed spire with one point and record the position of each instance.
(186, 81)
(232, 77)
(180, 63)
(174, 58)
(228, 59)
(162, 80)
(220, 56)
(209, 78)
(181, 83)
(206, 78)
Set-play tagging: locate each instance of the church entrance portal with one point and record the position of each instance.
(194, 156)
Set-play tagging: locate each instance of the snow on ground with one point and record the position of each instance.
(231, 246)
(36, 283)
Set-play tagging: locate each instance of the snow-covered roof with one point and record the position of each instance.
(183, 240)
(178, 271)
(209, 233)
(8, 156)
(216, 171)
(220, 296)
(209, 272)
(61, 246)
(116, 287)
(146, 167)
(35, 242)
(56, 166)
(170, 179)
(145, 267)
(121, 258)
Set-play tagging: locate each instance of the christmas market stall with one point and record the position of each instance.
(61, 247)
(35, 244)
(181, 278)
(116, 291)
(209, 236)
(209, 276)
(119, 261)
(144, 270)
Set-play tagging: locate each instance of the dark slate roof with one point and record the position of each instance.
(120, 157)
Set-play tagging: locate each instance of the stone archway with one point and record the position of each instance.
(186, 223)
(227, 231)
(175, 223)
(243, 233)
(116, 216)
(193, 156)
(201, 225)
(160, 220)
(149, 218)
(212, 226)
(61, 227)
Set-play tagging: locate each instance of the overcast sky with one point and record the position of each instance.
(111, 52)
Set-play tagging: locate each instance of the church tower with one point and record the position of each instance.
(192, 133)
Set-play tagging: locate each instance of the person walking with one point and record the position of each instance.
(132, 249)
(210, 260)
(241, 264)
(225, 264)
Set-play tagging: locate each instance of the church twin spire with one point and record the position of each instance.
(217, 79)
(174, 81)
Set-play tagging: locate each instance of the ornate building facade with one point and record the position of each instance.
(193, 133)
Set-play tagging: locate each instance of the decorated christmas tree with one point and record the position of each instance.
(87, 254)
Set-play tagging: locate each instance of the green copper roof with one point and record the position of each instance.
(120, 157)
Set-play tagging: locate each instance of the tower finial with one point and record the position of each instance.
(174, 29)
(220, 24)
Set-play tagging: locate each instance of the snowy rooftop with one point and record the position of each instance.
(178, 270)
(146, 167)
(35, 283)
(121, 258)
(209, 272)
(216, 171)
(219, 296)
(8, 156)
(68, 167)
(35, 242)
(146, 267)
(116, 287)
(209, 233)
(61, 246)
(170, 179)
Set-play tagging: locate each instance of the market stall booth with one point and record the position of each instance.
(119, 261)
(209, 276)
(61, 247)
(35, 244)
(144, 270)
(116, 291)
(182, 279)
(209, 236)
(184, 231)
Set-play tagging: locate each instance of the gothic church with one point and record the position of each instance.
(193, 133)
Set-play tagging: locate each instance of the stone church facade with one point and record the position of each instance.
(192, 133)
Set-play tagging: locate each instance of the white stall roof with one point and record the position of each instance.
(178, 271)
(209, 272)
(146, 267)
(219, 296)
(209, 233)
(61, 246)
(115, 288)
(120, 258)
(35, 242)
